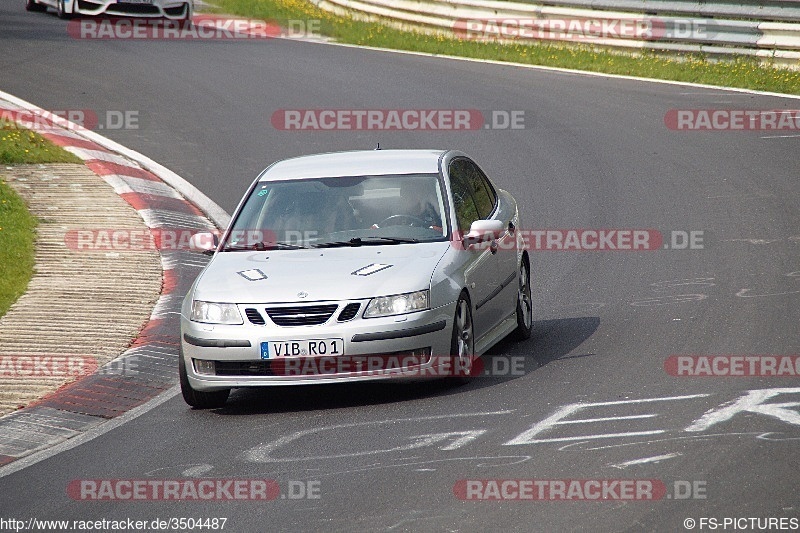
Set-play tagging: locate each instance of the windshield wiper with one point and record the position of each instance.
(389, 240)
(338, 244)
(367, 241)
(261, 246)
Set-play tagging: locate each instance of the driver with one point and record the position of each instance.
(417, 201)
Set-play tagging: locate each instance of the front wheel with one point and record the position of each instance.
(462, 342)
(196, 398)
(524, 303)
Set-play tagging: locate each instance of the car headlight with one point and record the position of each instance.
(215, 313)
(399, 304)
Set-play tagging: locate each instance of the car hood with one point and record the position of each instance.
(350, 273)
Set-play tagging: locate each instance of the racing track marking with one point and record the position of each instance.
(487, 463)
(575, 446)
(753, 401)
(646, 460)
(528, 437)
(261, 453)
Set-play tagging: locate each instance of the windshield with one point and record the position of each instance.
(393, 209)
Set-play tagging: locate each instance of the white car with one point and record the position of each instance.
(181, 10)
(356, 266)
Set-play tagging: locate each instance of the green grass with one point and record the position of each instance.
(17, 226)
(17, 236)
(742, 72)
(20, 146)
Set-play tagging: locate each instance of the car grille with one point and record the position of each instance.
(254, 316)
(133, 9)
(301, 315)
(243, 368)
(349, 312)
(174, 11)
(292, 367)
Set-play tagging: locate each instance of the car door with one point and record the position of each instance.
(490, 270)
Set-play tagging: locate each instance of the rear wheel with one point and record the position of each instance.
(31, 5)
(462, 341)
(524, 303)
(196, 398)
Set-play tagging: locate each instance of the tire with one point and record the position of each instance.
(31, 5)
(61, 10)
(462, 342)
(199, 399)
(524, 303)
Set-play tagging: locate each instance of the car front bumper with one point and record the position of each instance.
(169, 9)
(381, 343)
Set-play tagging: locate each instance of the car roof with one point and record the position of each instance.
(355, 163)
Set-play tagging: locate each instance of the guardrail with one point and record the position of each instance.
(770, 10)
(767, 30)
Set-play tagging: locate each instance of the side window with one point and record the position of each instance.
(482, 191)
(463, 201)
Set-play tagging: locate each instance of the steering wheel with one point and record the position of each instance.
(395, 219)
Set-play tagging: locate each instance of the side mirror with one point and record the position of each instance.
(205, 242)
(483, 231)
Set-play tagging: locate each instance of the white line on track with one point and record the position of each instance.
(551, 69)
(646, 460)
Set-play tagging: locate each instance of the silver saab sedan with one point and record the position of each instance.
(353, 266)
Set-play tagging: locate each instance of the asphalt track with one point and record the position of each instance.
(595, 153)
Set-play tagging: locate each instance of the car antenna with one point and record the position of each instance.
(378, 147)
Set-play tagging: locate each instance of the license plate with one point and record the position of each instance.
(304, 348)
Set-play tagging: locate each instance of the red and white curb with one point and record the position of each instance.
(149, 367)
